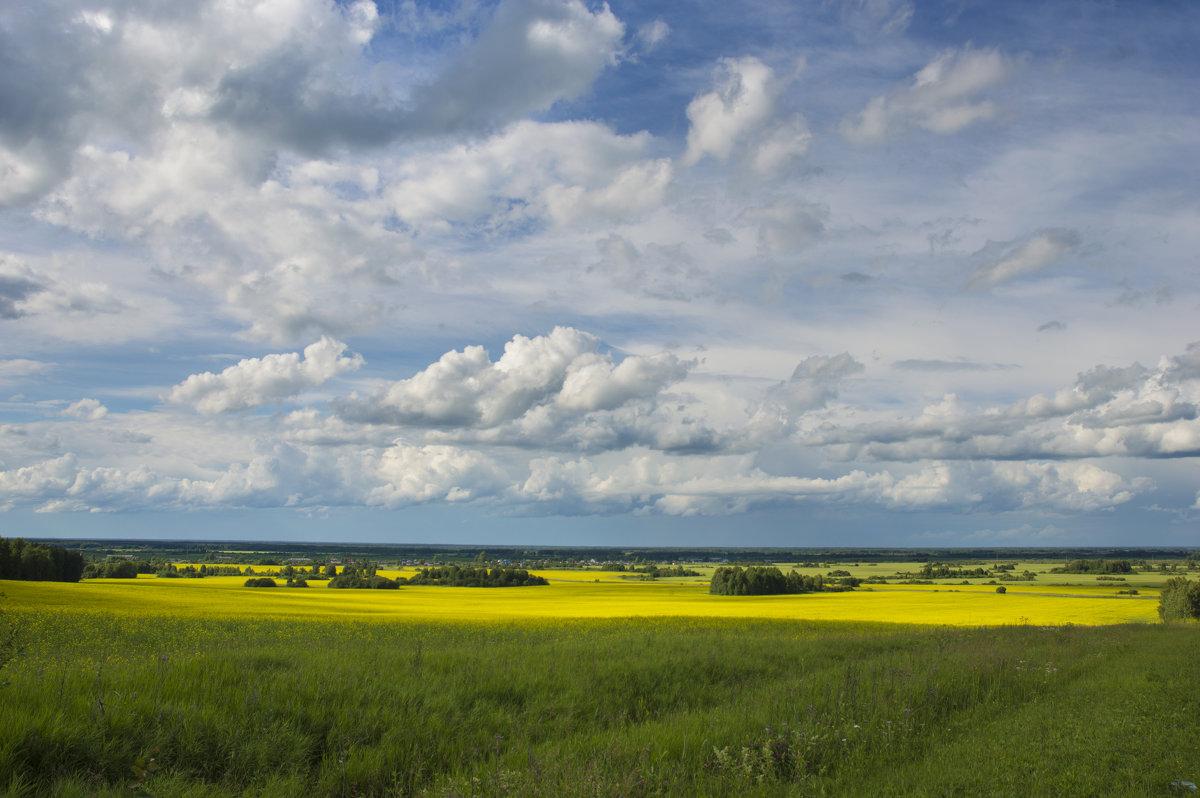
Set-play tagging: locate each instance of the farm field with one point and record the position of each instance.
(578, 594)
(603, 688)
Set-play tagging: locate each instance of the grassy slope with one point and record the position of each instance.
(601, 707)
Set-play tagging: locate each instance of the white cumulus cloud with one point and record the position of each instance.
(258, 381)
(741, 102)
(86, 410)
(535, 376)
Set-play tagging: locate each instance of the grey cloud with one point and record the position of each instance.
(940, 98)
(1003, 261)
(719, 236)
(826, 369)
(25, 292)
(1052, 326)
(662, 272)
(1131, 297)
(293, 83)
(870, 19)
(531, 55)
(950, 365)
(282, 99)
(1145, 411)
(814, 383)
(788, 226)
(14, 290)
(39, 97)
(1187, 365)
(1102, 382)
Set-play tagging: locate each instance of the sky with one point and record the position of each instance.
(839, 273)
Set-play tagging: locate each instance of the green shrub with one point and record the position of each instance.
(1180, 599)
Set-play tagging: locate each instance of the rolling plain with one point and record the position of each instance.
(598, 684)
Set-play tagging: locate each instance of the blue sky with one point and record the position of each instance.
(873, 272)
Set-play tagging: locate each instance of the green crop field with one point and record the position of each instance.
(173, 687)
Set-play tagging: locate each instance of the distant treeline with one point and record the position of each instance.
(652, 570)
(759, 580)
(354, 578)
(1095, 567)
(171, 571)
(937, 570)
(36, 562)
(268, 553)
(129, 569)
(451, 575)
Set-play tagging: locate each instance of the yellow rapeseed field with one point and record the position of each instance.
(591, 594)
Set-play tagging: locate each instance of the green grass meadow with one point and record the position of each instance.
(104, 704)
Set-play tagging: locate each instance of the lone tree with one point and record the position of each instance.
(1180, 599)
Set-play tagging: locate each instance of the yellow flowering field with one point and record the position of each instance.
(592, 594)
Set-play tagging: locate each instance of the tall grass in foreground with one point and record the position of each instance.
(117, 705)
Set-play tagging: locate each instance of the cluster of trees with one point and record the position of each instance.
(1095, 567)
(267, 581)
(941, 570)
(467, 576)
(1024, 576)
(359, 578)
(113, 569)
(1180, 599)
(34, 562)
(937, 570)
(763, 580)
